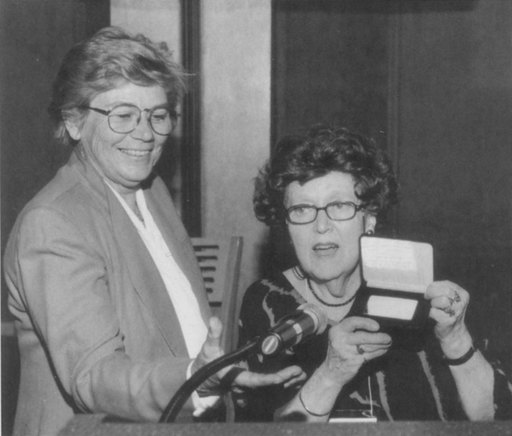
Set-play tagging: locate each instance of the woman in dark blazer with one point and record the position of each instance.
(110, 309)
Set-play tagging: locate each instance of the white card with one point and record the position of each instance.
(391, 307)
(397, 265)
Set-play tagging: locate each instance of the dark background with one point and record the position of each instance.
(432, 82)
(35, 35)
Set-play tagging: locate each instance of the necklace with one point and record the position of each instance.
(325, 302)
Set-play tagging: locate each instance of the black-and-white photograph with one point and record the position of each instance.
(256, 217)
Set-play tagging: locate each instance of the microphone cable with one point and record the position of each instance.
(288, 332)
(180, 397)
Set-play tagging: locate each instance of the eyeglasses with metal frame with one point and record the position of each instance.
(336, 211)
(125, 118)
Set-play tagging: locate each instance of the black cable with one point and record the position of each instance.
(180, 397)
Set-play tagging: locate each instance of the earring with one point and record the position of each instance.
(369, 232)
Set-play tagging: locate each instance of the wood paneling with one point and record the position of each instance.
(454, 154)
(432, 81)
(329, 65)
(191, 141)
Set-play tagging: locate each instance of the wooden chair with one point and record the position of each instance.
(219, 261)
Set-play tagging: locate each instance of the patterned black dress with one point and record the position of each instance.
(410, 382)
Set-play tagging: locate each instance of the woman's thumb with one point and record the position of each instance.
(214, 332)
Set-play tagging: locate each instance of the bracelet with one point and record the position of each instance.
(463, 359)
(309, 411)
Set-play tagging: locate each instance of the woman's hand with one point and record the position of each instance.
(243, 378)
(352, 342)
(475, 377)
(448, 303)
(211, 348)
(289, 376)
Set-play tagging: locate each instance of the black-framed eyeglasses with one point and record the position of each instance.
(336, 211)
(125, 118)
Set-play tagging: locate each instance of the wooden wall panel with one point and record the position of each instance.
(455, 159)
(329, 65)
(432, 81)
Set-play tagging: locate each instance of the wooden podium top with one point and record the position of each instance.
(97, 425)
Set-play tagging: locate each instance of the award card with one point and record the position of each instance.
(396, 274)
(397, 264)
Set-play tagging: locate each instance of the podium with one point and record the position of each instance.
(98, 425)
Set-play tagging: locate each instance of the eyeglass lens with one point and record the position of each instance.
(125, 118)
(337, 211)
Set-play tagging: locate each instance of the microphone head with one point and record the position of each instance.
(308, 320)
(317, 314)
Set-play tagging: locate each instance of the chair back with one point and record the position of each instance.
(219, 261)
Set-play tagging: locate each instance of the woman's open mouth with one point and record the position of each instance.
(325, 249)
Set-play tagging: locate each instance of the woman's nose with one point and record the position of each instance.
(323, 222)
(144, 130)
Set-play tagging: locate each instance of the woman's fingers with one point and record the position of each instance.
(358, 339)
(446, 295)
(288, 376)
(376, 340)
(359, 330)
(211, 348)
(448, 301)
(369, 353)
(365, 347)
(355, 323)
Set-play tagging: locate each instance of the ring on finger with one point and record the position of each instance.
(456, 297)
(360, 349)
(449, 311)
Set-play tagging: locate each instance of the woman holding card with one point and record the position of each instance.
(328, 189)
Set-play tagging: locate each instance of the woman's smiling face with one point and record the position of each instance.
(327, 250)
(125, 160)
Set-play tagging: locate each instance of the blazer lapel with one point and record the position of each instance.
(143, 273)
(145, 277)
(179, 244)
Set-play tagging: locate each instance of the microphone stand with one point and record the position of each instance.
(180, 397)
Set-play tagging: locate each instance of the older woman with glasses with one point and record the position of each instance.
(327, 189)
(110, 307)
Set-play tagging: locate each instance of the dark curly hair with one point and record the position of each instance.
(322, 150)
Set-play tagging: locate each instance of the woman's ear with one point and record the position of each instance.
(73, 122)
(370, 222)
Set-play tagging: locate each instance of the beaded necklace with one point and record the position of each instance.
(325, 302)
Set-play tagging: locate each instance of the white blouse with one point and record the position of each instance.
(177, 285)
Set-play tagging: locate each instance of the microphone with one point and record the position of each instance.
(306, 321)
